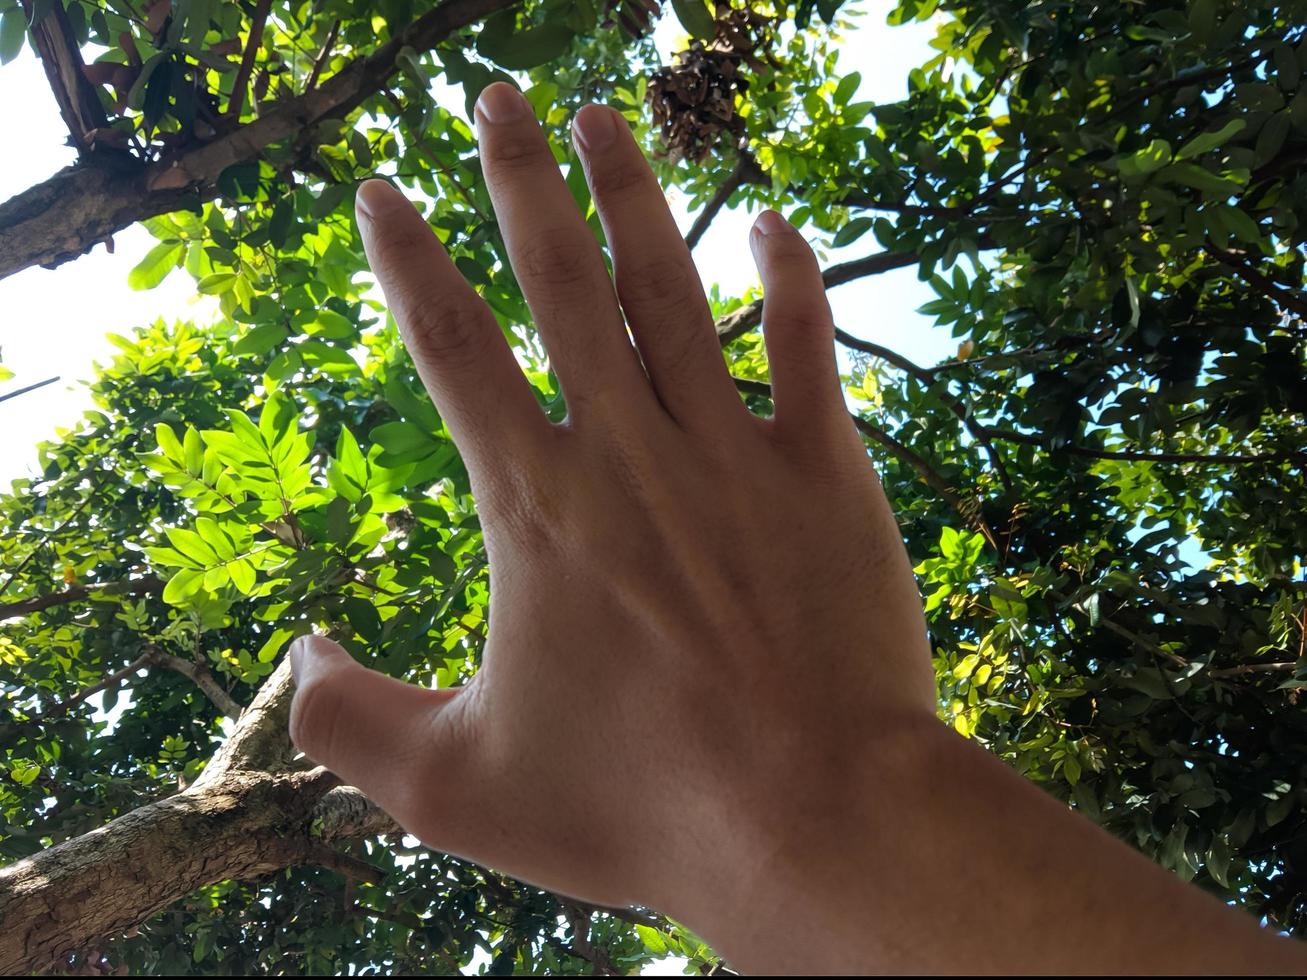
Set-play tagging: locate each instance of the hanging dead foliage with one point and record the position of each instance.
(693, 99)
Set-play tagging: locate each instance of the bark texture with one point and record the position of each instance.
(82, 205)
(245, 816)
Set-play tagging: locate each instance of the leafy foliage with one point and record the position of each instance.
(1107, 200)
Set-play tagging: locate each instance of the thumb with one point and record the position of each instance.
(384, 736)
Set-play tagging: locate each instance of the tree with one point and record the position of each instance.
(1107, 200)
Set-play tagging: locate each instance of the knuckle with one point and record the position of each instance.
(661, 283)
(796, 319)
(446, 335)
(509, 152)
(556, 259)
(620, 180)
(397, 242)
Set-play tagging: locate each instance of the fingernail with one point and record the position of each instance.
(595, 127)
(298, 651)
(771, 223)
(501, 103)
(375, 197)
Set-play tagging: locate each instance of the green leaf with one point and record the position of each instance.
(521, 49)
(1204, 142)
(1071, 768)
(24, 773)
(158, 262)
(1150, 159)
(272, 646)
(847, 86)
(695, 18)
(1243, 227)
(13, 31)
(852, 231)
(217, 283)
(654, 941)
(261, 339)
(242, 575)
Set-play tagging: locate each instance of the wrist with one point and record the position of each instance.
(794, 839)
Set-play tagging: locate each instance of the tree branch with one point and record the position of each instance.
(1280, 668)
(1288, 298)
(64, 69)
(927, 377)
(202, 677)
(64, 216)
(746, 171)
(260, 740)
(108, 681)
(198, 673)
(146, 585)
(324, 856)
(741, 321)
(1033, 439)
(242, 83)
(32, 387)
(321, 60)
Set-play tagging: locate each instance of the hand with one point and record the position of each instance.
(707, 686)
(702, 620)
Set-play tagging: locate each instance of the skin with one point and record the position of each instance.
(707, 686)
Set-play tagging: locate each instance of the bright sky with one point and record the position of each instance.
(55, 321)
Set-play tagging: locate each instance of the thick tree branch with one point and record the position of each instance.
(146, 585)
(62, 60)
(62, 899)
(64, 216)
(238, 820)
(260, 740)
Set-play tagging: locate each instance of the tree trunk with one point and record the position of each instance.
(246, 815)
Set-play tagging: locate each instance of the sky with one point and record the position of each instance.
(54, 322)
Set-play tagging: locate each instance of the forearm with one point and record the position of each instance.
(936, 857)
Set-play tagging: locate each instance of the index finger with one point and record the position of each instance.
(454, 340)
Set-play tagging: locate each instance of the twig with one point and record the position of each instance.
(110, 680)
(1009, 435)
(1284, 667)
(202, 677)
(1287, 298)
(239, 86)
(746, 171)
(199, 674)
(927, 378)
(22, 391)
(351, 867)
(321, 60)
